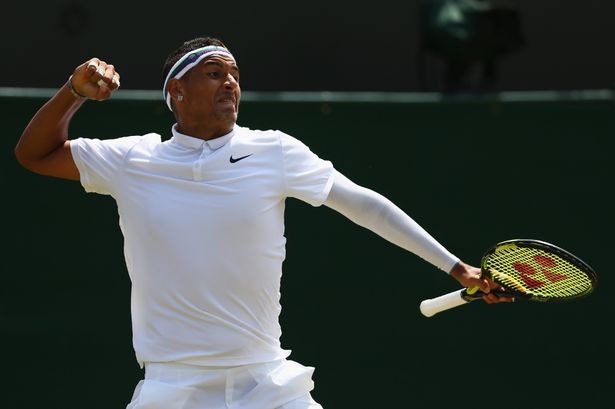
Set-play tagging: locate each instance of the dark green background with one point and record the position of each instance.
(472, 172)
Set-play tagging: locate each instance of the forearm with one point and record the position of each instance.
(378, 214)
(48, 129)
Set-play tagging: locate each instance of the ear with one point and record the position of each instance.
(175, 88)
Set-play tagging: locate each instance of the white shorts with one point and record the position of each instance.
(282, 384)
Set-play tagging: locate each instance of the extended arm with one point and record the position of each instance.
(378, 214)
(43, 147)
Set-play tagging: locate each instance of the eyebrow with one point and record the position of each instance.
(218, 63)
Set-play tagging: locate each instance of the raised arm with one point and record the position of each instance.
(43, 147)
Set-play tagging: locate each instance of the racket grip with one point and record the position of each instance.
(433, 306)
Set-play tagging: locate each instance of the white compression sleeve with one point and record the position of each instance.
(378, 214)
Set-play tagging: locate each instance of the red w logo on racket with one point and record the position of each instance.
(544, 264)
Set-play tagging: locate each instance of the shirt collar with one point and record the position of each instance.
(195, 143)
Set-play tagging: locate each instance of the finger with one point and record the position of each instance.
(103, 93)
(107, 78)
(108, 83)
(493, 298)
(91, 67)
(116, 79)
(485, 286)
(112, 85)
(100, 71)
(506, 299)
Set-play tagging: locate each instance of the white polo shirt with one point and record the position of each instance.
(203, 224)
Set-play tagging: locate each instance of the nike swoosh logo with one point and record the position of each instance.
(233, 160)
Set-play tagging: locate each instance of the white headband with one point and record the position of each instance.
(188, 61)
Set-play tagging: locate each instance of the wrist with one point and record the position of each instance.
(72, 89)
(457, 270)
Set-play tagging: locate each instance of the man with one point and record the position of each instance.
(202, 217)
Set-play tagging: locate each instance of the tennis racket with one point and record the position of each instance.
(527, 269)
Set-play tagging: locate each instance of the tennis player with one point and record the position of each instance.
(202, 214)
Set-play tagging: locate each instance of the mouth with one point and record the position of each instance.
(227, 99)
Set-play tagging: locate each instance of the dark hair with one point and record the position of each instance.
(185, 48)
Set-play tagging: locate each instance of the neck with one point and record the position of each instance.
(204, 131)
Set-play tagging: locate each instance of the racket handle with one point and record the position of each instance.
(433, 306)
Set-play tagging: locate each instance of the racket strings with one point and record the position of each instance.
(537, 273)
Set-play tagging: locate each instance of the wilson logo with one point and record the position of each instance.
(543, 265)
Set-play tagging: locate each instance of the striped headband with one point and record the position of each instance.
(188, 61)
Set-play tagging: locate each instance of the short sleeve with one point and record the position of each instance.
(99, 161)
(308, 177)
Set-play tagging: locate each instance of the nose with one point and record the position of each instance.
(231, 82)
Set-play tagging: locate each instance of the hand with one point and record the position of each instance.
(469, 277)
(95, 79)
